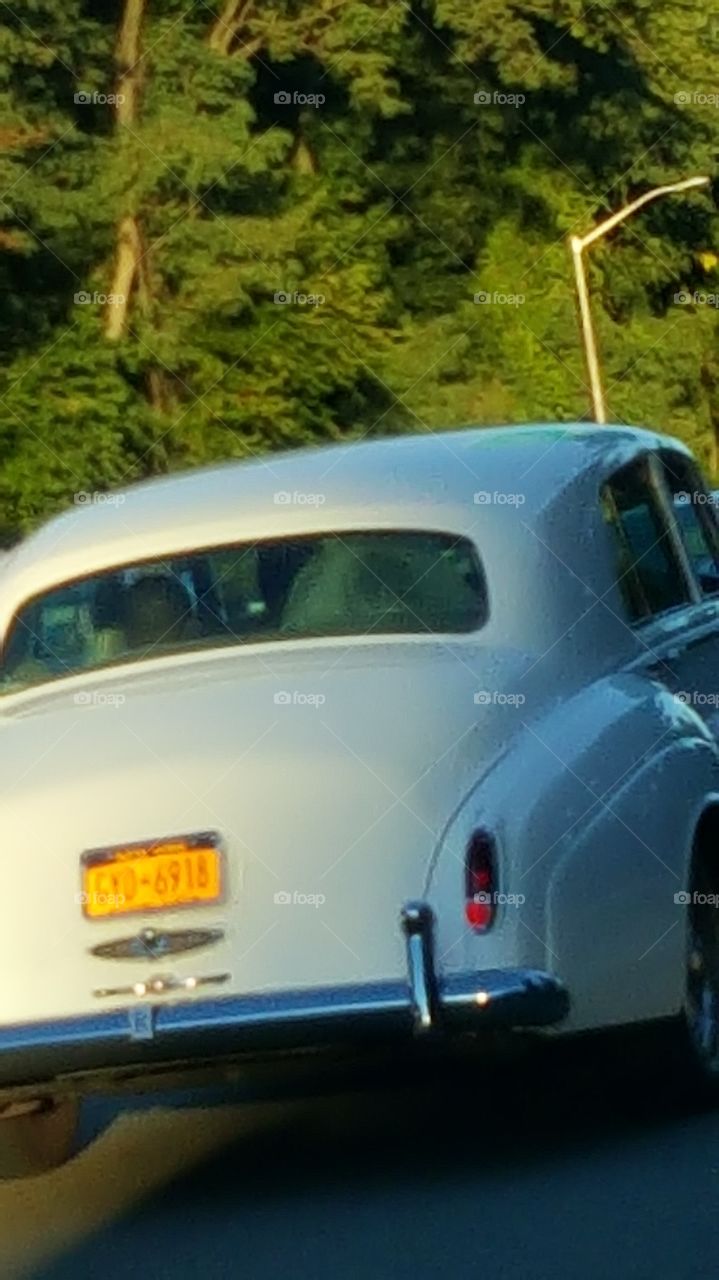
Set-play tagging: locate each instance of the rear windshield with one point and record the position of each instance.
(356, 583)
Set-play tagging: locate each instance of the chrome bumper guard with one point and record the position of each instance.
(423, 1005)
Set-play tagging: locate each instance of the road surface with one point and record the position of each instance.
(578, 1164)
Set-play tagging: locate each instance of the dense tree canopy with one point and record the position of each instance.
(241, 226)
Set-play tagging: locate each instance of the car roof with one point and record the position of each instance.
(430, 480)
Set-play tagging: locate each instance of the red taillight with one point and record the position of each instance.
(480, 881)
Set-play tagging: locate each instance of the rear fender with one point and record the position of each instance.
(615, 916)
(593, 810)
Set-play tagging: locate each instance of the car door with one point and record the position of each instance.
(623, 938)
(668, 565)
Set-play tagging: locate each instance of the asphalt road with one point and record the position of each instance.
(578, 1163)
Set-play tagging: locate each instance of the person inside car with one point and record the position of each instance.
(158, 613)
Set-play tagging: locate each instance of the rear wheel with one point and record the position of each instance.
(701, 1011)
(36, 1135)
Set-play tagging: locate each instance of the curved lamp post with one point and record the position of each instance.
(578, 244)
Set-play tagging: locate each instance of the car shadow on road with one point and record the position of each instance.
(528, 1166)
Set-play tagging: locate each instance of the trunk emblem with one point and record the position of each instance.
(154, 944)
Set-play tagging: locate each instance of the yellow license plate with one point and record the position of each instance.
(159, 875)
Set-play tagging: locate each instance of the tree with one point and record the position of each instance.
(250, 226)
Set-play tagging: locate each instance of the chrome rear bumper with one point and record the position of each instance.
(422, 1004)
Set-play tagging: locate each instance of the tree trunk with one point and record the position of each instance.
(127, 260)
(127, 60)
(128, 253)
(302, 158)
(227, 27)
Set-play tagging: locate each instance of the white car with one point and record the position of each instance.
(409, 737)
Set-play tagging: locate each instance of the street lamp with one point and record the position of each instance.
(578, 245)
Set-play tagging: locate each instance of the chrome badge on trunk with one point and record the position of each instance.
(154, 944)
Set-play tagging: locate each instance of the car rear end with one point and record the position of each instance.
(222, 799)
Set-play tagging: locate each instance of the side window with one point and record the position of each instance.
(649, 572)
(696, 518)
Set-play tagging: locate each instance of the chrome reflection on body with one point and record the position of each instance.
(161, 985)
(153, 944)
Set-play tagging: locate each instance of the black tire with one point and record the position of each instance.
(36, 1136)
(699, 1031)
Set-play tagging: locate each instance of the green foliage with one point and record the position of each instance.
(453, 147)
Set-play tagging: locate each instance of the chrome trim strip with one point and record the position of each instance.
(161, 984)
(236, 1025)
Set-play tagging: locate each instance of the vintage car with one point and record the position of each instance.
(404, 738)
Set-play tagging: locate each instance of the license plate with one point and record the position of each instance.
(154, 875)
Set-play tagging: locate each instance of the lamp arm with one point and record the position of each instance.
(628, 210)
